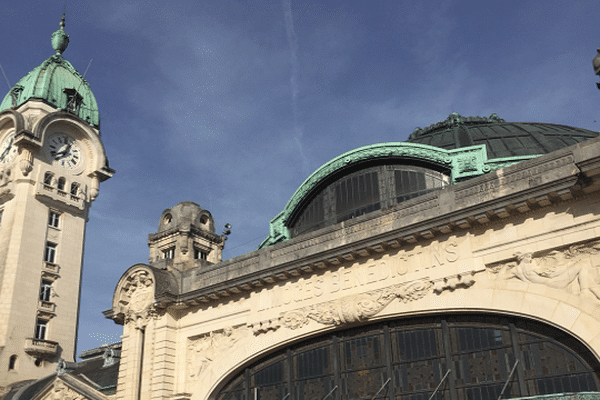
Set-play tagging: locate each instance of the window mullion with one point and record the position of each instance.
(449, 365)
(335, 355)
(514, 338)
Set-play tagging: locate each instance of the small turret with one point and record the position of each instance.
(185, 239)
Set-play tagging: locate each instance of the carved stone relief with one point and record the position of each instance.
(574, 269)
(60, 391)
(203, 350)
(136, 298)
(363, 306)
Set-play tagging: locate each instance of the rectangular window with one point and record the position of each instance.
(41, 328)
(53, 219)
(50, 253)
(169, 253)
(200, 254)
(45, 290)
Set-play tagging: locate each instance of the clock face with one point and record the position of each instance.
(64, 151)
(8, 150)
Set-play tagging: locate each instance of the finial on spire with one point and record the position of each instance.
(60, 39)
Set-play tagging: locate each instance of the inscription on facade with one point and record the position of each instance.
(366, 275)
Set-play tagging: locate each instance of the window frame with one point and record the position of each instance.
(48, 176)
(200, 254)
(54, 219)
(12, 362)
(41, 329)
(50, 252)
(61, 183)
(168, 254)
(46, 290)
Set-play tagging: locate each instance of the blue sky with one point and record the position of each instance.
(232, 104)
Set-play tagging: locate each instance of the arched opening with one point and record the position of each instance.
(468, 356)
(61, 183)
(74, 189)
(12, 362)
(48, 178)
(364, 190)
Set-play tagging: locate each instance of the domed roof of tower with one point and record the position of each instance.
(185, 215)
(56, 83)
(501, 138)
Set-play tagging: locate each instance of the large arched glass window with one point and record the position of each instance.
(468, 356)
(364, 191)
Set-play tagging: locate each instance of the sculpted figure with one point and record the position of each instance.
(556, 270)
(205, 350)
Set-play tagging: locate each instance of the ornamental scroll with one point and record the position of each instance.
(136, 298)
(363, 306)
(574, 269)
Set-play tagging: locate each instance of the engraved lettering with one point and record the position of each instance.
(335, 282)
(308, 293)
(287, 295)
(298, 291)
(384, 270)
(318, 287)
(436, 255)
(402, 267)
(371, 273)
(347, 280)
(451, 251)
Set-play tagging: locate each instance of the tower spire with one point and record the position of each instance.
(60, 39)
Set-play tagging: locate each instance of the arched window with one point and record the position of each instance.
(48, 178)
(61, 183)
(364, 191)
(473, 356)
(74, 188)
(12, 362)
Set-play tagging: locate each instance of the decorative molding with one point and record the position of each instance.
(573, 269)
(265, 326)
(26, 161)
(60, 391)
(203, 350)
(490, 185)
(136, 298)
(454, 120)
(363, 306)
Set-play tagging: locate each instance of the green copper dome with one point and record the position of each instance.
(378, 176)
(501, 138)
(56, 83)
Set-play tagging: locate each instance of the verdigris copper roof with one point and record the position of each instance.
(459, 148)
(501, 138)
(54, 82)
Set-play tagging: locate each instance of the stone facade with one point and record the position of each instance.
(42, 204)
(521, 241)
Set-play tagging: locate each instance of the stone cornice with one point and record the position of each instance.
(518, 189)
(200, 232)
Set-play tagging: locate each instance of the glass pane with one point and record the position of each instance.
(362, 353)
(312, 363)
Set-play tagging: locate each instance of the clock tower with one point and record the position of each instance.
(51, 164)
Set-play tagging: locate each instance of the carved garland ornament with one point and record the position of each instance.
(365, 305)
